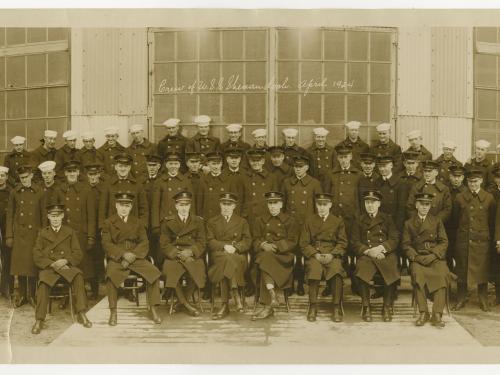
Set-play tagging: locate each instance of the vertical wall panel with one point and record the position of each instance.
(458, 130)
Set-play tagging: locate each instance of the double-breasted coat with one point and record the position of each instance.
(220, 232)
(475, 218)
(210, 189)
(423, 153)
(62, 156)
(322, 157)
(441, 204)
(393, 203)
(89, 157)
(358, 147)
(365, 183)
(255, 185)
(426, 238)
(370, 232)
(451, 225)
(14, 160)
(389, 149)
(202, 145)
(299, 196)
(323, 237)
(108, 156)
(25, 216)
(283, 231)
(281, 172)
(176, 236)
(224, 146)
(195, 179)
(173, 144)
(139, 151)
(51, 246)
(118, 238)
(444, 165)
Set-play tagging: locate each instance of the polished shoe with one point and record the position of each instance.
(379, 293)
(20, 302)
(313, 312)
(191, 310)
(386, 314)
(484, 304)
(327, 291)
(249, 290)
(113, 317)
(274, 298)
(206, 295)
(300, 289)
(266, 312)
(366, 314)
(37, 327)
(222, 313)
(154, 315)
(422, 319)
(459, 305)
(83, 320)
(436, 320)
(237, 300)
(336, 314)
(257, 312)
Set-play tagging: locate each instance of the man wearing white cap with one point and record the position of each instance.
(292, 150)
(260, 143)
(385, 146)
(17, 157)
(173, 142)
(202, 142)
(66, 153)
(88, 154)
(354, 141)
(110, 149)
(234, 141)
(6, 281)
(46, 151)
(322, 153)
(481, 160)
(49, 184)
(139, 149)
(415, 140)
(446, 160)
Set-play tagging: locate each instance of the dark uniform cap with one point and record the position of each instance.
(54, 207)
(274, 196)
(343, 149)
(367, 157)
(429, 165)
(172, 156)
(93, 168)
(214, 156)
(322, 197)
(228, 197)
(385, 159)
(300, 160)
(194, 156)
(424, 197)
(233, 151)
(372, 194)
(410, 155)
(183, 196)
(474, 173)
(24, 168)
(276, 150)
(255, 154)
(153, 158)
(456, 170)
(71, 165)
(496, 171)
(124, 196)
(123, 158)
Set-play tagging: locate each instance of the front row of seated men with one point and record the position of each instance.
(183, 237)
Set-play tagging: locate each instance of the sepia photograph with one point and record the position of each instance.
(249, 186)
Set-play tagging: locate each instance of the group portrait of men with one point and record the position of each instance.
(228, 220)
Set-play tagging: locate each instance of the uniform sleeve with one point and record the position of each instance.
(289, 243)
(407, 242)
(341, 240)
(41, 260)
(111, 249)
(305, 241)
(445, 212)
(76, 254)
(141, 249)
(214, 245)
(258, 235)
(200, 239)
(357, 245)
(492, 211)
(442, 241)
(392, 242)
(11, 209)
(245, 243)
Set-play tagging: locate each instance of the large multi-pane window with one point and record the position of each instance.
(34, 83)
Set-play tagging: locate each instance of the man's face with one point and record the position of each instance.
(173, 167)
(277, 159)
(300, 170)
(456, 181)
(372, 206)
(3, 178)
(19, 148)
(448, 153)
(227, 208)
(423, 207)
(72, 175)
(55, 219)
(415, 142)
(481, 152)
(497, 180)
(203, 129)
(88, 143)
(183, 208)
(260, 141)
(353, 133)
(137, 136)
(430, 175)
(256, 164)
(122, 169)
(111, 139)
(411, 166)
(215, 166)
(323, 207)
(233, 161)
(383, 136)
(48, 176)
(320, 140)
(123, 208)
(367, 167)
(173, 130)
(344, 160)
(50, 142)
(234, 135)
(193, 165)
(71, 143)
(153, 168)
(25, 178)
(275, 207)
(474, 183)
(93, 178)
(385, 169)
(290, 140)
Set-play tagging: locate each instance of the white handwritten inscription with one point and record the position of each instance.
(235, 83)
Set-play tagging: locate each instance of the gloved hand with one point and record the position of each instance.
(59, 263)
(266, 246)
(320, 258)
(188, 259)
(9, 242)
(187, 253)
(129, 257)
(125, 264)
(230, 249)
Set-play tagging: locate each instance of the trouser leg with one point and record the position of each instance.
(180, 293)
(112, 291)
(439, 300)
(190, 287)
(153, 292)
(313, 291)
(22, 286)
(224, 290)
(78, 286)
(264, 297)
(337, 289)
(461, 291)
(389, 294)
(42, 301)
(364, 289)
(482, 290)
(421, 299)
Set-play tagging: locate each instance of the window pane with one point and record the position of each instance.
(256, 75)
(486, 130)
(16, 105)
(357, 74)
(35, 130)
(486, 104)
(37, 70)
(288, 72)
(337, 134)
(2, 105)
(164, 108)
(19, 128)
(255, 44)
(380, 108)
(2, 36)
(58, 104)
(311, 43)
(288, 44)
(232, 109)
(486, 70)
(486, 34)
(186, 45)
(186, 75)
(60, 126)
(16, 72)
(209, 75)
(380, 47)
(164, 46)
(160, 132)
(357, 108)
(16, 35)
(357, 45)
(311, 76)
(334, 109)
(210, 105)
(58, 33)
(2, 72)
(232, 72)
(232, 45)
(37, 34)
(256, 109)
(311, 109)
(58, 67)
(288, 108)
(334, 45)
(380, 78)
(186, 107)
(164, 78)
(37, 103)
(209, 45)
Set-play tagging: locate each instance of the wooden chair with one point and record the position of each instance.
(62, 290)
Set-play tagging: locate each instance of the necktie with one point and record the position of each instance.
(422, 219)
(227, 218)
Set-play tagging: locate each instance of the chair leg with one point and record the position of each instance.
(198, 295)
(342, 304)
(172, 300)
(212, 298)
(414, 301)
(136, 292)
(243, 298)
(287, 302)
(447, 291)
(71, 308)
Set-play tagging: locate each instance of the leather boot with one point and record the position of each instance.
(313, 312)
(113, 317)
(83, 320)
(436, 320)
(222, 313)
(237, 300)
(422, 319)
(461, 297)
(386, 314)
(366, 314)
(37, 327)
(482, 294)
(336, 314)
(300, 288)
(274, 298)
(191, 310)
(206, 295)
(154, 315)
(265, 313)
(257, 312)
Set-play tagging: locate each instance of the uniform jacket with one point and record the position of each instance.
(92, 156)
(344, 187)
(441, 205)
(177, 144)
(423, 153)
(393, 202)
(322, 158)
(444, 164)
(391, 149)
(292, 151)
(299, 196)
(281, 172)
(4, 200)
(202, 145)
(63, 155)
(255, 185)
(14, 160)
(486, 165)
(38, 156)
(139, 152)
(364, 183)
(358, 148)
(324, 237)
(210, 188)
(109, 154)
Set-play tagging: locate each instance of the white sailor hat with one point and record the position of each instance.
(449, 144)
(136, 128)
(353, 125)
(112, 130)
(4, 169)
(233, 127)
(50, 133)
(202, 120)
(383, 127)
(46, 166)
(482, 143)
(69, 135)
(88, 135)
(414, 134)
(259, 133)
(290, 132)
(320, 131)
(18, 140)
(171, 122)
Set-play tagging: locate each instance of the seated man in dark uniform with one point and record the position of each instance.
(425, 244)
(183, 242)
(125, 242)
(57, 253)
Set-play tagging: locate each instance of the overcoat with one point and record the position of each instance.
(358, 147)
(423, 153)
(210, 188)
(441, 204)
(444, 173)
(486, 165)
(281, 173)
(202, 145)
(366, 182)
(14, 160)
(63, 155)
(299, 196)
(173, 144)
(389, 149)
(393, 203)
(255, 185)
(322, 158)
(108, 156)
(138, 152)
(451, 225)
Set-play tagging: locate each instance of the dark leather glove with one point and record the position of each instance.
(9, 242)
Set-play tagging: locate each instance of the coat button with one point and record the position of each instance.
(30, 226)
